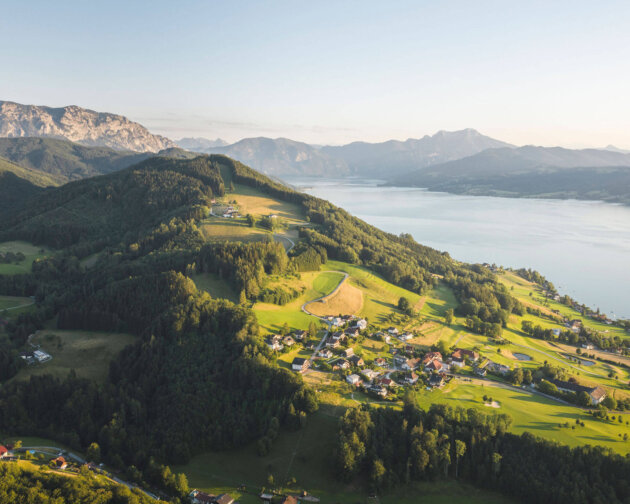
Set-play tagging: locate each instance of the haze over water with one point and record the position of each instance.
(583, 247)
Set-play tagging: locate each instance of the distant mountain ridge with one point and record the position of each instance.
(281, 156)
(78, 125)
(199, 144)
(550, 172)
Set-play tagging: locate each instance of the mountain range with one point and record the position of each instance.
(79, 125)
(199, 144)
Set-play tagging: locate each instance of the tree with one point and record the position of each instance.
(527, 377)
(404, 305)
(583, 399)
(242, 298)
(460, 449)
(232, 187)
(251, 220)
(517, 376)
(448, 316)
(377, 473)
(94, 453)
(610, 402)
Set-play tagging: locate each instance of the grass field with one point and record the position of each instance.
(88, 353)
(258, 203)
(348, 300)
(13, 301)
(30, 251)
(271, 317)
(533, 413)
(215, 286)
(220, 229)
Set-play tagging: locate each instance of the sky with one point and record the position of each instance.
(543, 73)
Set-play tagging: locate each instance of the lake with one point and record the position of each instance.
(583, 247)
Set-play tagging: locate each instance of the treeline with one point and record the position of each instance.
(19, 486)
(389, 448)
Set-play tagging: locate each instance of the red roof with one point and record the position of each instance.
(3, 450)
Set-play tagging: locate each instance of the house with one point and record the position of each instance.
(556, 332)
(436, 380)
(431, 356)
(596, 394)
(362, 324)
(461, 354)
(300, 335)
(41, 356)
(300, 365)
(405, 337)
(60, 462)
(588, 346)
(393, 331)
(434, 365)
(379, 361)
(481, 371)
(197, 497)
(383, 336)
(411, 364)
(355, 360)
(353, 379)
(275, 342)
(288, 341)
(325, 353)
(4, 452)
(348, 352)
(385, 382)
(495, 367)
(337, 321)
(411, 378)
(333, 343)
(352, 332)
(223, 499)
(378, 390)
(369, 374)
(341, 364)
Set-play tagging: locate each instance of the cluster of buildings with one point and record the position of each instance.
(197, 497)
(36, 357)
(278, 342)
(596, 394)
(230, 212)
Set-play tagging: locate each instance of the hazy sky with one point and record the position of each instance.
(545, 73)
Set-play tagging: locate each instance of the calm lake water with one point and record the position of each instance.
(583, 247)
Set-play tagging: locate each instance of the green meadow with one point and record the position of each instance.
(31, 252)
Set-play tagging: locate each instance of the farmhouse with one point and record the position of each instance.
(60, 462)
(596, 394)
(460, 355)
(353, 379)
(300, 365)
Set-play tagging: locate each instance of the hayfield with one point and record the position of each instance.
(30, 251)
(347, 300)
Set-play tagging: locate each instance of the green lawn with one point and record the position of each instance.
(533, 413)
(30, 251)
(13, 301)
(215, 286)
(88, 353)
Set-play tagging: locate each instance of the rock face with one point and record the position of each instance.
(79, 125)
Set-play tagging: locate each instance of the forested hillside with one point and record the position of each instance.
(19, 184)
(64, 161)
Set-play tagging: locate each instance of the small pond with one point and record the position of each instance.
(521, 356)
(584, 362)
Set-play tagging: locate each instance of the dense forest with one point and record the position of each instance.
(389, 448)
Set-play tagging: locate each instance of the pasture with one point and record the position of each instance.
(30, 251)
(88, 353)
(215, 286)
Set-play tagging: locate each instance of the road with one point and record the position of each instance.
(292, 243)
(20, 306)
(323, 319)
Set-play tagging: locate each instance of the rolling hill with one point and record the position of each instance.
(79, 125)
(198, 144)
(19, 184)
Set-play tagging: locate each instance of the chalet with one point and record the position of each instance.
(299, 335)
(436, 380)
(431, 356)
(355, 360)
(288, 341)
(348, 352)
(369, 374)
(411, 364)
(596, 394)
(300, 365)
(393, 331)
(4, 452)
(379, 361)
(325, 353)
(353, 379)
(411, 378)
(60, 463)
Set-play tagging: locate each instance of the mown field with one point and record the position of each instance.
(31, 252)
(88, 353)
(215, 286)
